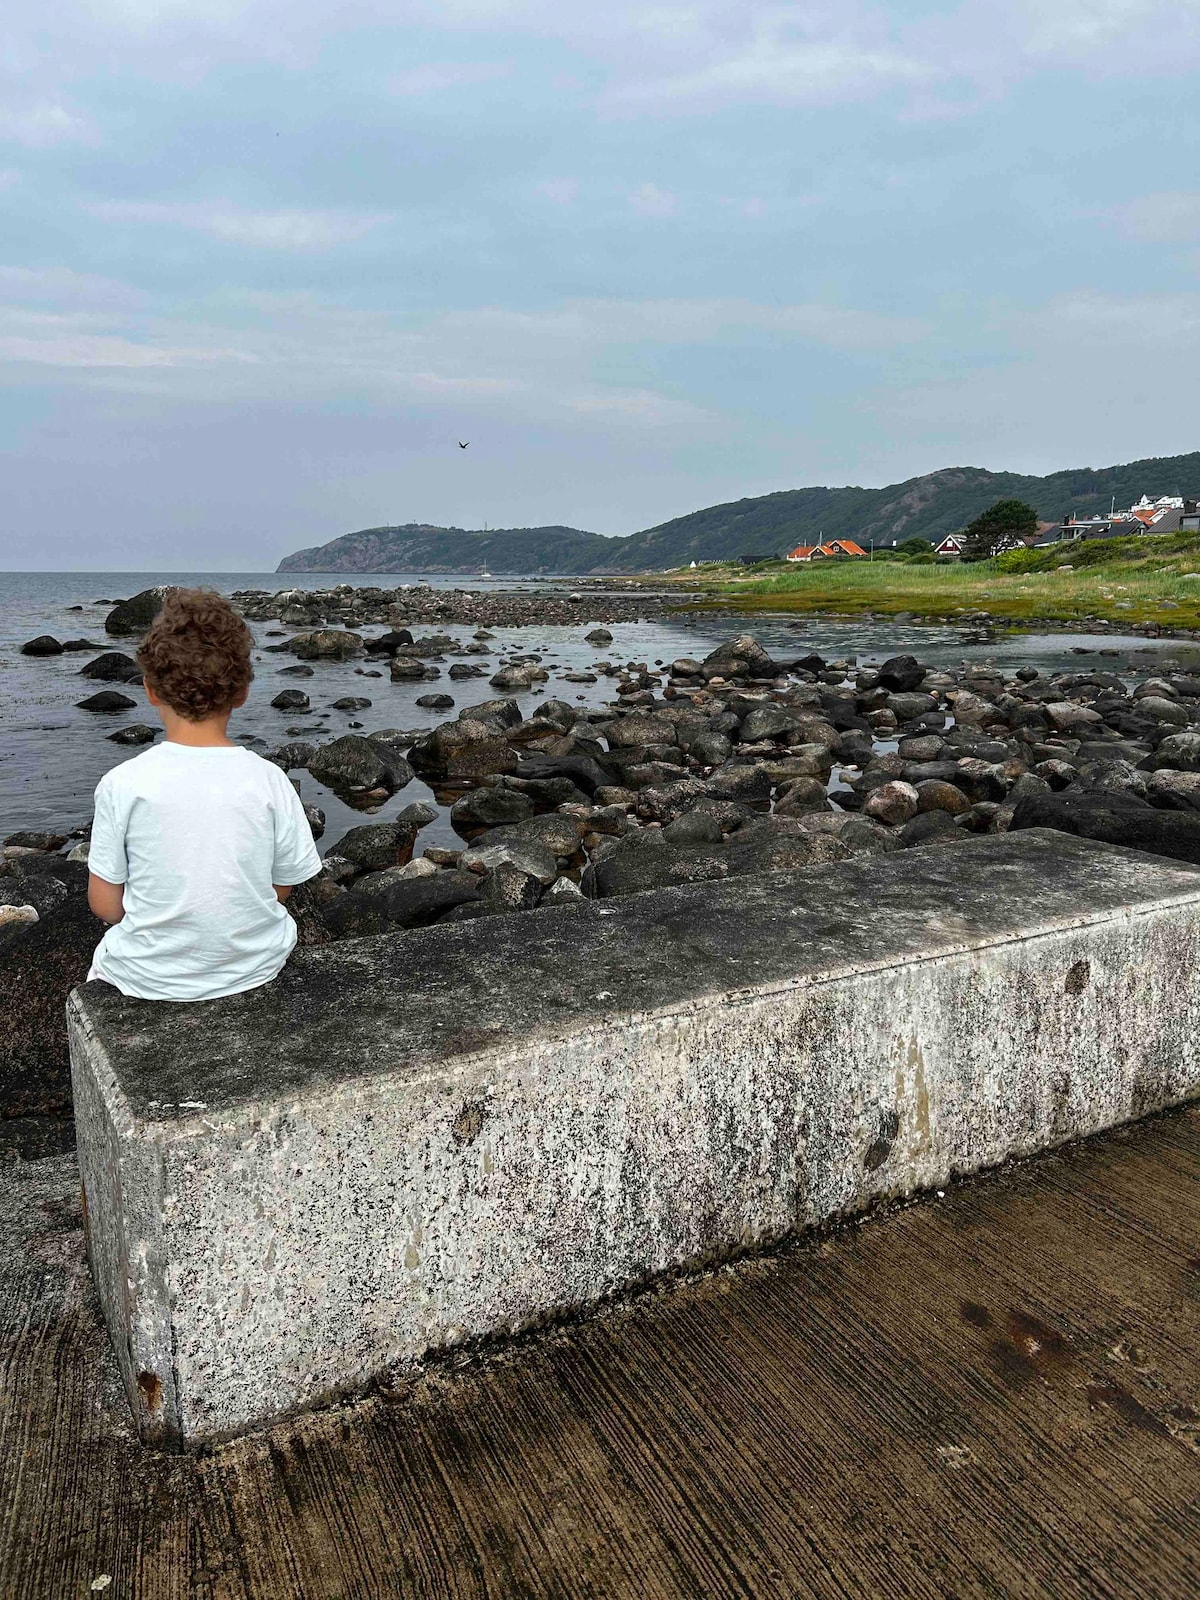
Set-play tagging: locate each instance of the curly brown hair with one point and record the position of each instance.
(196, 655)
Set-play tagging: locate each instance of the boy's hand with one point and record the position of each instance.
(107, 900)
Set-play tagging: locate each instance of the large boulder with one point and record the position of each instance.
(643, 860)
(1116, 819)
(353, 762)
(326, 644)
(585, 772)
(134, 616)
(414, 903)
(1179, 752)
(44, 645)
(40, 963)
(464, 749)
(377, 845)
(489, 807)
(114, 666)
(901, 674)
(742, 657)
(780, 844)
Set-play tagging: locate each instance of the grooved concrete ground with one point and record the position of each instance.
(996, 1394)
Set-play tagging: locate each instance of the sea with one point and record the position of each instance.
(52, 754)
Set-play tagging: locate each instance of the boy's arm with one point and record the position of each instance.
(282, 890)
(106, 899)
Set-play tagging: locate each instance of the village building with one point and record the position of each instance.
(835, 549)
(951, 545)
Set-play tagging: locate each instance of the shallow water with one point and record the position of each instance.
(52, 754)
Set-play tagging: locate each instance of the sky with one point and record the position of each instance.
(264, 264)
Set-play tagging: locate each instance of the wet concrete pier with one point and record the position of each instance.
(992, 1394)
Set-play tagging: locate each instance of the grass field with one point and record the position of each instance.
(1139, 579)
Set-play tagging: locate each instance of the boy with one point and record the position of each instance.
(196, 843)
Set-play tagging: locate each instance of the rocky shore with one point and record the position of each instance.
(601, 600)
(700, 769)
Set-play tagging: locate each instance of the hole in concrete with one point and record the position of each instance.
(1078, 977)
(468, 1122)
(881, 1149)
(150, 1388)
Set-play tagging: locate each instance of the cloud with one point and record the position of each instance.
(1165, 218)
(441, 77)
(561, 190)
(580, 324)
(42, 125)
(648, 200)
(269, 230)
(55, 341)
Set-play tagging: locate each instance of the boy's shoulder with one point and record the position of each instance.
(127, 775)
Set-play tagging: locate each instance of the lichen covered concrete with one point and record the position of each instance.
(410, 1142)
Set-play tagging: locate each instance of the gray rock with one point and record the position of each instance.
(137, 613)
(290, 757)
(353, 762)
(114, 666)
(327, 644)
(351, 702)
(737, 782)
(489, 807)
(530, 857)
(375, 846)
(106, 700)
(291, 700)
(1174, 791)
(646, 860)
(1117, 819)
(44, 645)
(1179, 752)
(507, 888)
(435, 702)
(895, 803)
(135, 733)
(901, 674)
(692, 828)
(930, 827)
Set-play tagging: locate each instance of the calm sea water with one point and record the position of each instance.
(52, 754)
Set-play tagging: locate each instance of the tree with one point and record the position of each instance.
(1001, 527)
(914, 547)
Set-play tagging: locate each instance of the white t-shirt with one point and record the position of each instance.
(199, 837)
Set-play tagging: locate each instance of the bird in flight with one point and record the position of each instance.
(463, 446)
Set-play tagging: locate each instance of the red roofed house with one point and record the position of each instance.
(834, 549)
(951, 545)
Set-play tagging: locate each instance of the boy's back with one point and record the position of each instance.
(199, 837)
(197, 843)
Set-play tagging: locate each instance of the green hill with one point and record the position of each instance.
(420, 547)
(930, 507)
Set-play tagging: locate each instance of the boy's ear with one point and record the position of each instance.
(240, 701)
(150, 694)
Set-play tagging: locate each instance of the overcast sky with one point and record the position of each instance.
(264, 262)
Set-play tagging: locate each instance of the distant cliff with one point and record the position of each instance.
(419, 547)
(768, 525)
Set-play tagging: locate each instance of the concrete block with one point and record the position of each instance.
(414, 1140)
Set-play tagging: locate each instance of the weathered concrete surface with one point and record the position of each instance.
(993, 1395)
(412, 1141)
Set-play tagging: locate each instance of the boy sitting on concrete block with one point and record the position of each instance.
(197, 842)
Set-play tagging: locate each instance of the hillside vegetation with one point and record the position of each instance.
(1144, 578)
(419, 547)
(928, 507)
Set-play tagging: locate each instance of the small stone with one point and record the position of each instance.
(10, 915)
(351, 702)
(135, 733)
(291, 700)
(44, 645)
(894, 803)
